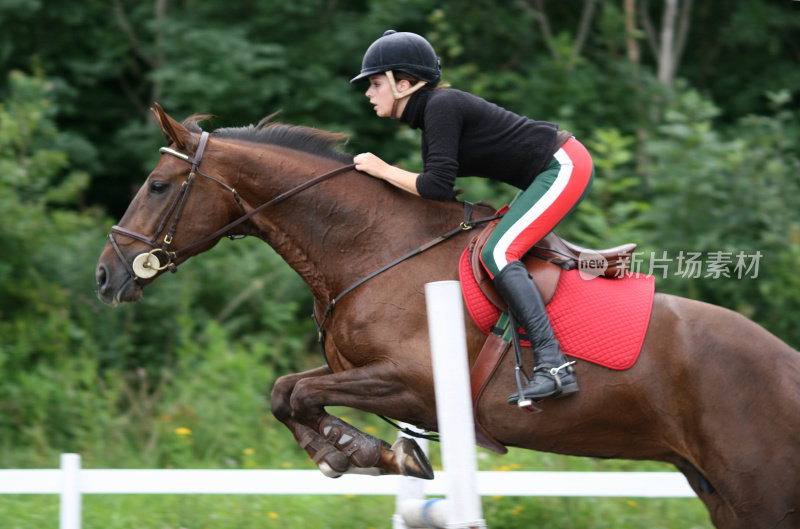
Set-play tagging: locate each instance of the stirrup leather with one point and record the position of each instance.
(519, 371)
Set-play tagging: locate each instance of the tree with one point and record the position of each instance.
(668, 47)
(581, 35)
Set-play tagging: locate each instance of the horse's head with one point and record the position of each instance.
(175, 215)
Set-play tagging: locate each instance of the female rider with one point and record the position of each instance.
(464, 135)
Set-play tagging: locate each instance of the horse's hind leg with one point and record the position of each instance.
(343, 448)
(370, 389)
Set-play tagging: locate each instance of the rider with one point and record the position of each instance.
(464, 135)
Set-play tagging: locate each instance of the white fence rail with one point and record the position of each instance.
(71, 482)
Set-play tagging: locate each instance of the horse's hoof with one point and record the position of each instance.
(331, 462)
(412, 460)
(327, 471)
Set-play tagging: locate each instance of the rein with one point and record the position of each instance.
(147, 265)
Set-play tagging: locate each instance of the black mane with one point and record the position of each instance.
(306, 139)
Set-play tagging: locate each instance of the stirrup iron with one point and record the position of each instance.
(554, 372)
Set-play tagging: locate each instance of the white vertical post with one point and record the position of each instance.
(454, 402)
(70, 510)
(409, 489)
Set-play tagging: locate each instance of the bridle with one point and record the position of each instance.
(148, 264)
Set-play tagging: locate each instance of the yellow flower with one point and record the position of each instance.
(249, 451)
(182, 431)
(273, 515)
(370, 430)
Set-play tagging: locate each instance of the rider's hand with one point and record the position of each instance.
(370, 164)
(374, 166)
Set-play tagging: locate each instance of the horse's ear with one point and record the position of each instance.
(173, 130)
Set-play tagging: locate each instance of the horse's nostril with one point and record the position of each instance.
(102, 277)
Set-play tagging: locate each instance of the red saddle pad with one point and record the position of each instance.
(599, 320)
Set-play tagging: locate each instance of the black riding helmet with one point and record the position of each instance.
(402, 52)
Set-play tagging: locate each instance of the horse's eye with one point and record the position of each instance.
(158, 186)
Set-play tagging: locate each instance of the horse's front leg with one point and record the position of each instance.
(330, 461)
(375, 388)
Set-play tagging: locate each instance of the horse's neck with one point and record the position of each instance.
(338, 231)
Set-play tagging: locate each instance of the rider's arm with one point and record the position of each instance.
(374, 166)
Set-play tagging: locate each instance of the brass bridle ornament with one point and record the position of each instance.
(147, 264)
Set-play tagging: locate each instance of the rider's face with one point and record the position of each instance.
(380, 95)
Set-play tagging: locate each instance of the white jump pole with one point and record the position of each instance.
(70, 501)
(462, 508)
(410, 490)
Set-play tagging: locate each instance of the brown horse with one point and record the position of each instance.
(712, 393)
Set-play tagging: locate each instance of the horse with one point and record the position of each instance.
(712, 393)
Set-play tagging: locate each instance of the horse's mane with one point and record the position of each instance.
(306, 139)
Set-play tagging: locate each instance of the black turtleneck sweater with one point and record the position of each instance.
(464, 135)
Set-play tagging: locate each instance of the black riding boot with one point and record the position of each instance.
(552, 374)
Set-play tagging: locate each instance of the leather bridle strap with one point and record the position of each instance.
(196, 161)
(119, 253)
(178, 204)
(280, 198)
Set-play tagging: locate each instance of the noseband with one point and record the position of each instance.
(148, 264)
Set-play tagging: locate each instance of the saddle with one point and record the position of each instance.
(547, 259)
(544, 262)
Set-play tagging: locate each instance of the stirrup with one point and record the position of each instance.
(554, 372)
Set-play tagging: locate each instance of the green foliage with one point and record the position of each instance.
(82, 377)
(219, 64)
(34, 178)
(745, 55)
(615, 211)
(735, 193)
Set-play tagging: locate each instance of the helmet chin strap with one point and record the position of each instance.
(398, 95)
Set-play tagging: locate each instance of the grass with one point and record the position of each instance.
(342, 512)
